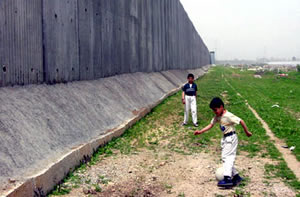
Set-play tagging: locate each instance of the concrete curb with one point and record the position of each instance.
(43, 182)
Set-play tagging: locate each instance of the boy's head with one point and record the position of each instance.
(190, 78)
(217, 106)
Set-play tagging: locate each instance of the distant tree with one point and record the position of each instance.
(298, 67)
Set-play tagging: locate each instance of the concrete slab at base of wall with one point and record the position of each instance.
(29, 112)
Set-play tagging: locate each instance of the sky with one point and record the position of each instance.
(247, 29)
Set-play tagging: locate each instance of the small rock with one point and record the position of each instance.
(257, 76)
(130, 172)
(93, 192)
(12, 180)
(154, 178)
(162, 163)
(85, 191)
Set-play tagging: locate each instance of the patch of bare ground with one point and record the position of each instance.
(293, 113)
(235, 75)
(165, 173)
(225, 97)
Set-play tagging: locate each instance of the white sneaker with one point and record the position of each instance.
(196, 125)
(183, 124)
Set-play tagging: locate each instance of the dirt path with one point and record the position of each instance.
(289, 158)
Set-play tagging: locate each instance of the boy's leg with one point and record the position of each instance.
(228, 154)
(234, 171)
(186, 110)
(194, 109)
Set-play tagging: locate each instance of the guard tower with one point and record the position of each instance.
(212, 57)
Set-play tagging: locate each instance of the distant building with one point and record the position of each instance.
(212, 57)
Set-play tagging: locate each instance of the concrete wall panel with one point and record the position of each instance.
(60, 26)
(21, 60)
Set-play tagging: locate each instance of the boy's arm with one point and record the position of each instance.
(248, 133)
(182, 99)
(208, 127)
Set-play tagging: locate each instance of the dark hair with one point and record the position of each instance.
(216, 103)
(190, 75)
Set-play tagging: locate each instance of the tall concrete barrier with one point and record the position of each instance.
(109, 62)
(48, 130)
(55, 41)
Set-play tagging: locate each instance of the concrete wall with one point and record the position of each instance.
(106, 49)
(47, 130)
(68, 40)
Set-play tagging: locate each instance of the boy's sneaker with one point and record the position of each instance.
(227, 182)
(196, 125)
(237, 179)
(183, 124)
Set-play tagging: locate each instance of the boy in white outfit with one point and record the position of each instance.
(189, 94)
(229, 141)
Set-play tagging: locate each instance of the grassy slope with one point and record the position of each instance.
(163, 124)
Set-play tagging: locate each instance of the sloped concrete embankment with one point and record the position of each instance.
(45, 131)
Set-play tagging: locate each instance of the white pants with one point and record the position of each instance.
(229, 147)
(190, 104)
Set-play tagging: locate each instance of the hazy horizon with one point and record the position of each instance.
(248, 29)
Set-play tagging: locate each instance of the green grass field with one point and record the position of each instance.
(163, 123)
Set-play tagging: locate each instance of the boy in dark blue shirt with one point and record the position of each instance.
(189, 94)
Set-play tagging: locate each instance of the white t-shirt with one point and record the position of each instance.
(227, 121)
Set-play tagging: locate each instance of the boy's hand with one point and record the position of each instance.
(249, 134)
(197, 132)
(183, 101)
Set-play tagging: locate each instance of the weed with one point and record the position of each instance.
(98, 188)
(240, 193)
(167, 186)
(181, 194)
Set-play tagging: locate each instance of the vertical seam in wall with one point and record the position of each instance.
(78, 38)
(43, 44)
